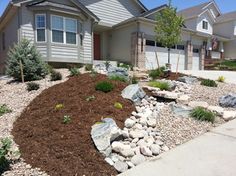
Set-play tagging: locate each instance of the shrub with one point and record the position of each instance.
(55, 75)
(93, 73)
(59, 106)
(127, 66)
(32, 86)
(154, 74)
(4, 151)
(90, 98)
(4, 109)
(202, 114)
(221, 79)
(208, 83)
(160, 84)
(34, 68)
(104, 86)
(118, 78)
(89, 67)
(134, 80)
(66, 119)
(74, 71)
(118, 105)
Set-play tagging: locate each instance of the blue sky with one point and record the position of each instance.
(225, 5)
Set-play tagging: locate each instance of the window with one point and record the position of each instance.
(159, 45)
(64, 30)
(40, 27)
(3, 41)
(150, 43)
(195, 50)
(180, 47)
(205, 25)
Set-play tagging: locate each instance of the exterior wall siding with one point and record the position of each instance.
(113, 11)
(205, 17)
(27, 24)
(225, 29)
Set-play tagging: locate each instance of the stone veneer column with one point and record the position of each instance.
(189, 56)
(138, 49)
(202, 55)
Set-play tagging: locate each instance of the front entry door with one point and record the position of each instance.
(97, 47)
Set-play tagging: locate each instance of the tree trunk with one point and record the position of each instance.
(168, 55)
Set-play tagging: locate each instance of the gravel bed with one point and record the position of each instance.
(16, 97)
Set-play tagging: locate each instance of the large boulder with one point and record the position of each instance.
(118, 71)
(104, 133)
(181, 111)
(228, 101)
(134, 93)
(187, 79)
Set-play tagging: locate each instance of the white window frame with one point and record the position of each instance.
(45, 28)
(64, 30)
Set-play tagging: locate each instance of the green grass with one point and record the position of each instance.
(4, 109)
(202, 114)
(208, 83)
(118, 78)
(160, 84)
(229, 63)
(154, 74)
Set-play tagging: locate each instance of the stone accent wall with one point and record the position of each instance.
(138, 45)
(189, 56)
(202, 57)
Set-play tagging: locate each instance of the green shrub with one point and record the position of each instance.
(202, 114)
(208, 83)
(221, 79)
(124, 65)
(160, 84)
(90, 98)
(118, 105)
(4, 151)
(89, 67)
(118, 78)
(104, 86)
(55, 76)
(134, 80)
(4, 109)
(32, 86)
(66, 119)
(154, 74)
(74, 71)
(34, 68)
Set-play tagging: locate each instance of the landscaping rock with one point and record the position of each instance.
(109, 161)
(137, 134)
(138, 159)
(167, 95)
(181, 111)
(195, 104)
(146, 151)
(188, 79)
(134, 93)
(127, 152)
(152, 122)
(229, 115)
(121, 166)
(228, 101)
(118, 71)
(119, 146)
(156, 149)
(184, 99)
(216, 109)
(103, 133)
(129, 123)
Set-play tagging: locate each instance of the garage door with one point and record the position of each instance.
(196, 58)
(162, 53)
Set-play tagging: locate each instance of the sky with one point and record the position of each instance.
(224, 5)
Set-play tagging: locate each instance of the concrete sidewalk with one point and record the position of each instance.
(212, 154)
(210, 74)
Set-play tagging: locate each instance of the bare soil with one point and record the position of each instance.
(67, 149)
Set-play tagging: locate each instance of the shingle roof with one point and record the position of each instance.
(193, 11)
(226, 17)
(153, 10)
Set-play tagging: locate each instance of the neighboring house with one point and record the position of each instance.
(81, 31)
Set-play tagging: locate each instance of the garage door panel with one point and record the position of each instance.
(196, 62)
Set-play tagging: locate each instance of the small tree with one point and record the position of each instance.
(24, 62)
(168, 28)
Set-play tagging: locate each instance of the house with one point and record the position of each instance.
(83, 31)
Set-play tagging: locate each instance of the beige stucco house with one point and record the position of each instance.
(82, 31)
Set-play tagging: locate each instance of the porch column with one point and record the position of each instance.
(189, 56)
(138, 45)
(222, 51)
(202, 57)
(209, 49)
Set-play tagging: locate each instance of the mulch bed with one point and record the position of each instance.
(67, 149)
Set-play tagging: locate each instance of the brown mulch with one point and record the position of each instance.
(68, 150)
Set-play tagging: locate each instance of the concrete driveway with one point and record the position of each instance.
(229, 75)
(212, 154)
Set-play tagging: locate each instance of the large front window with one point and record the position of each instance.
(40, 27)
(205, 25)
(64, 30)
